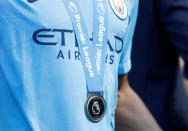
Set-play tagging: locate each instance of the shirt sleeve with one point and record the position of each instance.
(125, 59)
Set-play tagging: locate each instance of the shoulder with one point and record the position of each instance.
(132, 2)
(131, 5)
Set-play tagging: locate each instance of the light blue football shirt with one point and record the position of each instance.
(42, 83)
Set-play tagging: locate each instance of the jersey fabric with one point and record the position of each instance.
(42, 82)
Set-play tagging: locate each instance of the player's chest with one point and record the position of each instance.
(53, 13)
(47, 22)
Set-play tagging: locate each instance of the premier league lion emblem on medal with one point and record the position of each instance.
(95, 107)
(119, 8)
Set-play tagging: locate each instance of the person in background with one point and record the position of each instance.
(161, 36)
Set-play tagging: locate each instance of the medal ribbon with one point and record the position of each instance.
(92, 55)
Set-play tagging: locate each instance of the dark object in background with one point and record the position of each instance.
(161, 36)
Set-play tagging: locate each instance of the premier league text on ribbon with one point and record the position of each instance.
(92, 55)
(101, 11)
(85, 47)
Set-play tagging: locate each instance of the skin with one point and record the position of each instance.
(186, 86)
(182, 63)
(131, 113)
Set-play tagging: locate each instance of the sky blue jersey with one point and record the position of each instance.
(42, 82)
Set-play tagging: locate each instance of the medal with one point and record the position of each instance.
(95, 107)
(92, 55)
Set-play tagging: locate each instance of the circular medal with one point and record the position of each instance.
(95, 107)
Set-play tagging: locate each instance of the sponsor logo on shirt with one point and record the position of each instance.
(46, 37)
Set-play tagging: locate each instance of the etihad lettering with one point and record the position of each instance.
(46, 37)
(47, 34)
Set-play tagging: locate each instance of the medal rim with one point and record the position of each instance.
(90, 97)
(116, 13)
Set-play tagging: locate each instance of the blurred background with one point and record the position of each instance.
(159, 72)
